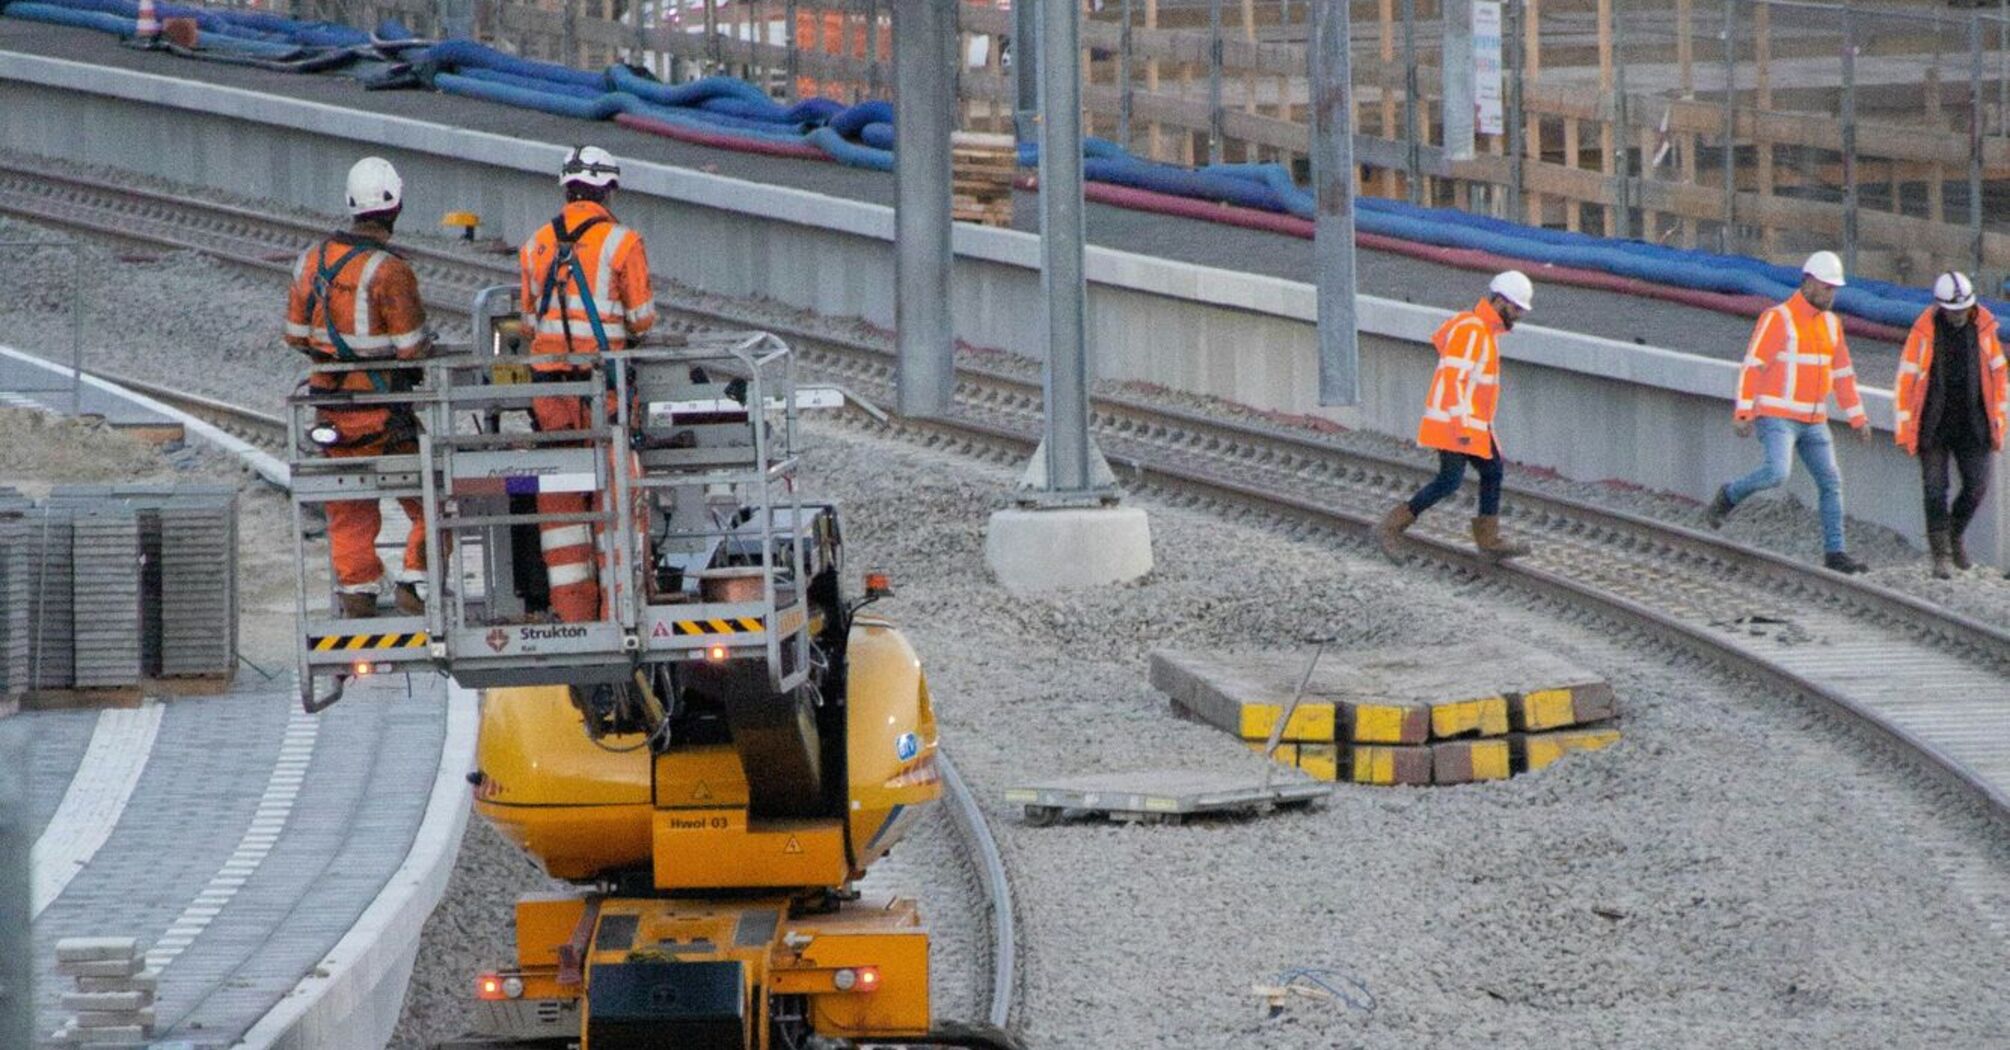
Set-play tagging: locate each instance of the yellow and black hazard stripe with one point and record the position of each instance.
(737, 625)
(329, 643)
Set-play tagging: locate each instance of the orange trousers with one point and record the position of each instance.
(353, 527)
(571, 560)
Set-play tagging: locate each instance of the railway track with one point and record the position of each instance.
(1933, 682)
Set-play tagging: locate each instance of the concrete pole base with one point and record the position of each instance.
(1037, 550)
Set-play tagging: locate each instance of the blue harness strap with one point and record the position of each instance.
(317, 299)
(566, 258)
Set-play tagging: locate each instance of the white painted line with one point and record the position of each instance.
(97, 795)
(351, 1000)
(252, 847)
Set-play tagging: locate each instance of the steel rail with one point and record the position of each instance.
(1637, 570)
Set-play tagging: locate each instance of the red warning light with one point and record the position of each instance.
(868, 979)
(717, 652)
(489, 987)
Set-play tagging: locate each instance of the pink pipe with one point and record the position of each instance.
(715, 140)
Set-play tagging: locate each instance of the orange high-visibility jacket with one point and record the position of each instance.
(1916, 365)
(1796, 357)
(354, 297)
(1459, 413)
(615, 268)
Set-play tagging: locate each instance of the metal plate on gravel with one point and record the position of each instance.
(1163, 794)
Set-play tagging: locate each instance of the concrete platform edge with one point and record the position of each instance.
(353, 998)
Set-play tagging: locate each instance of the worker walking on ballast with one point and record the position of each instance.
(1459, 416)
(1796, 357)
(1952, 402)
(585, 290)
(354, 298)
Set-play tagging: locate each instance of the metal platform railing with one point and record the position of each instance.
(702, 548)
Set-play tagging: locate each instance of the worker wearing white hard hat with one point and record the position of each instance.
(1796, 358)
(1459, 416)
(354, 298)
(585, 292)
(1952, 406)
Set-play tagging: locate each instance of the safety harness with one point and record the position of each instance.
(399, 422)
(565, 263)
(324, 281)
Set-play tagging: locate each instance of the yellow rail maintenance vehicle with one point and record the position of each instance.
(717, 759)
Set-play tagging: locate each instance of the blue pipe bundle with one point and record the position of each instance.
(863, 136)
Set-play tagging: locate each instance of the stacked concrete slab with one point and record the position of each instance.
(15, 624)
(113, 1005)
(52, 660)
(106, 592)
(1399, 716)
(118, 584)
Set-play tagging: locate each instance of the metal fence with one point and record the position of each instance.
(1755, 126)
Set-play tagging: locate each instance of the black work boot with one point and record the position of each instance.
(1936, 542)
(1956, 550)
(1840, 561)
(1720, 509)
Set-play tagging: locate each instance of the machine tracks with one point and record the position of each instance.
(1930, 680)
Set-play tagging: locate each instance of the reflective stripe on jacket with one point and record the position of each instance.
(1796, 357)
(617, 272)
(1459, 412)
(372, 302)
(1915, 366)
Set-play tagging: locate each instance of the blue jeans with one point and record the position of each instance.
(1782, 438)
(1451, 471)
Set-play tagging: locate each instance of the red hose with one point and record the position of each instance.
(1457, 258)
(716, 140)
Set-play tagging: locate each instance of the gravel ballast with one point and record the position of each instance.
(1740, 870)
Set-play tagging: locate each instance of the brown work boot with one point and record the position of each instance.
(1389, 534)
(406, 595)
(1936, 542)
(1487, 539)
(355, 606)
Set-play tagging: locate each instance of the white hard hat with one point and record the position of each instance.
(1953, 291)
(1515, 287)
(374, 186)
(1826, 268)
(589, 166)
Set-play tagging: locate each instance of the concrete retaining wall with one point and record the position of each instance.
(1589, 408)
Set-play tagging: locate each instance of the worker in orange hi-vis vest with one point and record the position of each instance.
(585, 290)
(1952, 402)
(355, 299)
(1459, 416)
(1797, 356)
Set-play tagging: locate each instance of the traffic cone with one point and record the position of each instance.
(148, 27)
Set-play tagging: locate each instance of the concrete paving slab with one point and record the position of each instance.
(233, 915)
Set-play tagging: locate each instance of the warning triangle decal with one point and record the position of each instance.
(793, 846)
(701, 792)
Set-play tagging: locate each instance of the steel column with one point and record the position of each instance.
(1849, 140)
(1214, 82)
(1456, 70)
(1413, 166)
(1622, 134)
(1333, 182)
(1975, 142)
(1511, 30)
(1026, 67)
(1124, 90)
(1726, 241)
(1073, 466)
(924, 65)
